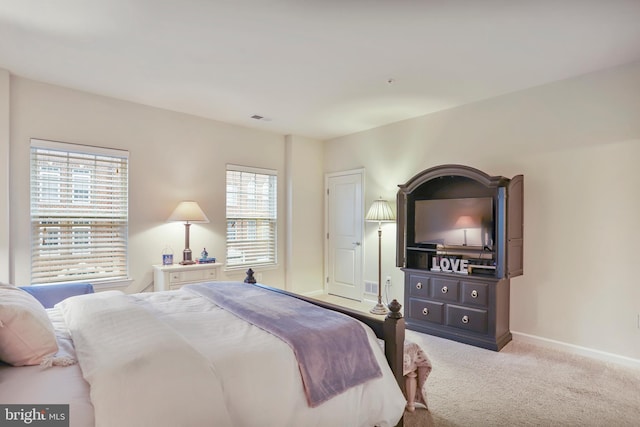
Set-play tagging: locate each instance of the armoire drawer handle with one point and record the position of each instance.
(425, 311)
(444, 289)
(419, 285)
(474, 294)
(465, 319)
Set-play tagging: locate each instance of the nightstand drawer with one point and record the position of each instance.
(186, 276)
(172, 277)
(470, 319)
(191, 276)
(419, 286)
(428, 311)
(175, 287)
(210, 274)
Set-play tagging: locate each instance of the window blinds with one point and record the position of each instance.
(251, 217)
(79, 212)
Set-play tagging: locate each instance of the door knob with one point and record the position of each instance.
(356, 243)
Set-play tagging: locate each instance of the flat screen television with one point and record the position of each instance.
(455, 222)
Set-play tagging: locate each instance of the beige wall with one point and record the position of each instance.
(305, 215)
(577, 142)
(173, 157)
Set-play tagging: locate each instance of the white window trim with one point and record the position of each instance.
(115, 280)
(254, 266)
(78, 148)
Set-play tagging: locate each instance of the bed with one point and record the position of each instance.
(188, 361)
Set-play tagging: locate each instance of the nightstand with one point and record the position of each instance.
(172, 277)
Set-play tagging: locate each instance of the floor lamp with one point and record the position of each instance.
(380, 212)
(189, 212)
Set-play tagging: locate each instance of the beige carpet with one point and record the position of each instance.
(523, 385)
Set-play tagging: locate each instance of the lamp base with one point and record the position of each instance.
(379, 309)
(186, 257)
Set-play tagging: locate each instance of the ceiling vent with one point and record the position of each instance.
(259, 117)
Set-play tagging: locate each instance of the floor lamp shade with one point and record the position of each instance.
(380, 211)
(188, 212)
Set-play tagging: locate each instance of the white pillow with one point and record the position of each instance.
(26, 332)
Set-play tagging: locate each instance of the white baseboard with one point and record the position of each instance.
(576, 349)
(313, 293)
(371, 298)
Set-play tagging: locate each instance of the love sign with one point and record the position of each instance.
(456, 265)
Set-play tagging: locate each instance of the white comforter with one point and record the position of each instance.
(238, 374)
(141, 372)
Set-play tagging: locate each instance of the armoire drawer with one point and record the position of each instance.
(474, 294)
(444, 289)
(426, 311)
(419, 286)
(470, 319)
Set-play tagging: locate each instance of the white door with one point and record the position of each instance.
(345, 223)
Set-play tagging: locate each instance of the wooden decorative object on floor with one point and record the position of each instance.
(416, 368)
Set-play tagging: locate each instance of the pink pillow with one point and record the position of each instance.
(26, 332)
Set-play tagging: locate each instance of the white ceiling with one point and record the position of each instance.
(317, 68)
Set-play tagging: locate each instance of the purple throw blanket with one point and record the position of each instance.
(332, 349)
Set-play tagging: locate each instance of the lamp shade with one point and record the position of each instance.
(465, 221)
(188, 212)
(380, 211)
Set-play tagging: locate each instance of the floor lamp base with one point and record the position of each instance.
(379, 309)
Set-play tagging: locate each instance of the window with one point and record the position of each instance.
(251, 217)
(79, 213)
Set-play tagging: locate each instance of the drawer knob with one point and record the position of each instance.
(419, 285)
(444, 289)
(425, 311)
(465, 319)
(474, 294)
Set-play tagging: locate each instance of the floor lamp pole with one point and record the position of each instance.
(379, 212)
(379, 307)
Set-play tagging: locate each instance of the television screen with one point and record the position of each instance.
(452, 222)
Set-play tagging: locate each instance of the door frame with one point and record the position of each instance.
(327, 176)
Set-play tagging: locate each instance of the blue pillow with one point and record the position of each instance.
(50, 295)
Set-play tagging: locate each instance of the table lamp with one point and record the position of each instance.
(189, 212)
(464, 222)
